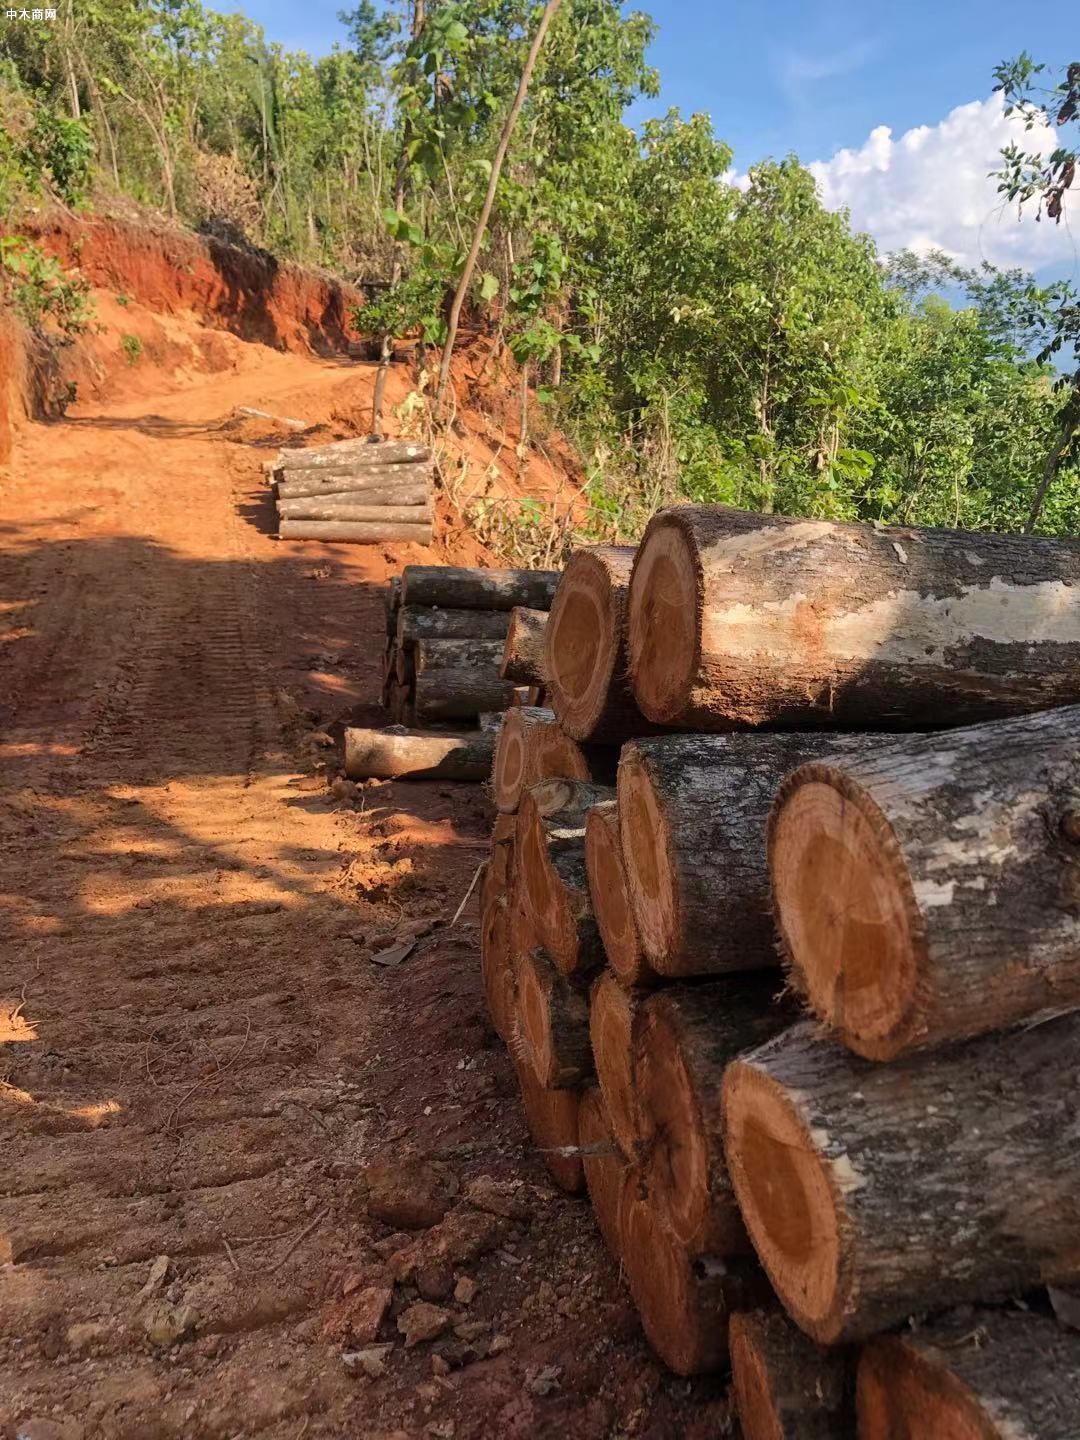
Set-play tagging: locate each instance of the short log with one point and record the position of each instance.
(605, 1167)
(739, 619)
(368, 449)
(874, 1192)
(553, 886)
(481, 656)
(608, 889)
(415, 624)
(392, 603)
(786, 1387)
(523, 650)
(459, 694)
(398, 482)
(420, 514)
(931, 890)
(457, 587)
(552, 1032)
(499, 875)
(495, 968)
(612, 1010)
(398, 755)
(533, 747)
(354, 532)
(357, 502)
(552, 1118)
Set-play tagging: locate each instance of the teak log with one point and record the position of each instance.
(786, 1387)
(495, 967)
(553, 885)
(420, 514)
(355, 532)
(978, 1375)
(414, 624)
(403, 481)
(482, 656)
(499, 875)
(459, 694)
(371, 452)
(552, 1022)
(693, 811)
(931, 890)
(605, 1168)
(523, 650)
(684, 1038)
(684, 1305)
(552, 1118)
(458, 587)
(611, 1023)
(608, 889)
(392, 603)
(872, 1192)
(395, 754)
(532, 747)
(740, 620)
(586, 653)
(411, 496)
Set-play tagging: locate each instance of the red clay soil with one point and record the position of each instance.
(200, 1056)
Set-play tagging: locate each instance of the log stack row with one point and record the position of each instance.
(360, 491)
(781, 925)
(461, 641)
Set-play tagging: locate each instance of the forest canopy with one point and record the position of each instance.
(722, 340)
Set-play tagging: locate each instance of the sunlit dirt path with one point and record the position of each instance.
(197, 1056)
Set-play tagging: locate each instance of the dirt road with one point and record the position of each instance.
(198, 1056)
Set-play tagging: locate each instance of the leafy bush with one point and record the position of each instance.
(132, 347)
(40, 290)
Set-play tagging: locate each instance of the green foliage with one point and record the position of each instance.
(132, 347)
(40, 290)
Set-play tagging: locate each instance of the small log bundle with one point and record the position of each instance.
(456, 587)
(931, 890)
(983, 1374)
(400, 754)
(739, 620)
(873, 1192)
(523, 651)
(786, 1387)
(362, 491)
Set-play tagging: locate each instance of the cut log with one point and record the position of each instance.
(367, 514)
(873, 1192)
(552, 882)
(693, 811)
(610, 896)
(552, 1118)
(416, 624)
(395, 754)
(459, 694)
(788, 1388)
(371, 452)
(499, 875)
(523, 650)
(354, 532)
(611, 1024)
(533, 747)
(742, 620)
(552, 1023)
(405, 665)
(392, 603)
(308, 484)
(482, 656)
(931, 890)
(978, 1375)
(586, 654)
(605, 1168)
(567, 803)
(495, 966)
(457, 587)
(684, 1305)
(684, 1038)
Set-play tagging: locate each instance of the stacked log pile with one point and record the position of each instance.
(796, 823)
(360, 491)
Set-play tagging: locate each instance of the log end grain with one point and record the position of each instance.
(552, 1032)
(523, 647)
(605, 1167)
(610, 896)
(531, 747)
(495, 967)
(553, 885)
(786, 1387)
(552, 1118)
(648, 855)
(585, 639)
(899, 1387)
(663, 620)
(846, 910)
(611, 1022)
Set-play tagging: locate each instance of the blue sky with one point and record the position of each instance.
(889, 104)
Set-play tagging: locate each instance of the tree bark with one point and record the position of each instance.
(386, 755)
(552, 1032)
(873, 1192)
(786, 1387)
(740, 621)
(984, 1374)
(684, 1038)
(392, 604)
(350, 511)
(523, 652)
(586, 649)
(384, 479)
(553, 885)
(414, 623)
(415, 496)
(459, 587)
(611, 897)
(482, 656)
(684, 1305)
(552, 1118)
(459, 694)
(355, 532)
(930, 890)
(465, 279)
(612, 1012)
(361, 449)
(605, 1167)
(693, 811)
(532, 748)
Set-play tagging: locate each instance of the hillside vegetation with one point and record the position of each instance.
(723, 341)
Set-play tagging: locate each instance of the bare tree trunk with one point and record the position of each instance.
(465, 279)
(1067, 427)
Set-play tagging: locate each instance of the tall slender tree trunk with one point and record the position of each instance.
(1067, 428)
(465, 279)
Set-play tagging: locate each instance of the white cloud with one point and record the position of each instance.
(931, 187)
